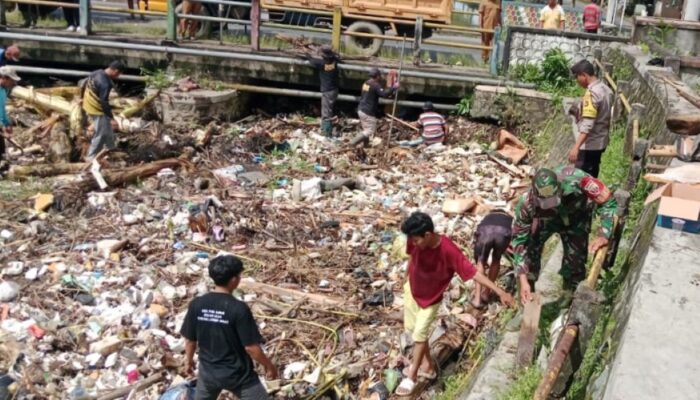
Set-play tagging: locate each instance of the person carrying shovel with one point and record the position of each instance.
(557, 202)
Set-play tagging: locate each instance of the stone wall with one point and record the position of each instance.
(679, 37)
(647, 86)
(528, 45)
(534, 106)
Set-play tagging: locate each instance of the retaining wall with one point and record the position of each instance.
(648, 87)
(528, 45)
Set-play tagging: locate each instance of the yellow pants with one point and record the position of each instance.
(417, 320)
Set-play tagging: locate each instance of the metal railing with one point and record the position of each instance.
(336, 30)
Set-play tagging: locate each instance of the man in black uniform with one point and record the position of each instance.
(223, 329)
(369, 110)
(327, 67)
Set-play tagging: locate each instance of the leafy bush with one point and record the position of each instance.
(464, 105)
(551, 76)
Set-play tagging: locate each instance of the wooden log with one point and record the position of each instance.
(133, 110)
(556, 361)
(295, 294)
(44, 170)
(45, 101)
(684, 124)
(529, 328)
(402, 122)
(137, 386)
(635, 115)
(63, 91)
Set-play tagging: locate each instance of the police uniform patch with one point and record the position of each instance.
(588, 109)
(365, 87)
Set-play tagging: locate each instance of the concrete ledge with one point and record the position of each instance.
(659, 346)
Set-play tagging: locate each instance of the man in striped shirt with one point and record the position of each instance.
(432, 124)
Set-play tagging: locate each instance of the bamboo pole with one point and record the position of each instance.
(556, 361)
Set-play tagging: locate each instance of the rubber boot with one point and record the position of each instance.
(327, 128)
(360, 138)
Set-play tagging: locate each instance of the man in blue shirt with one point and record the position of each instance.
(9, 54)
(8, 79)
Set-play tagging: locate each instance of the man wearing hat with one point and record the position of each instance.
(10, 53)
(8, 79)
(369, 110)
(557, 203)
(327, 67)
(432, 124)
(96, 105)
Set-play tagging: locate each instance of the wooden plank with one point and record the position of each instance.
(508, 167)
(662, 151)
(529, 328)
(295, 294)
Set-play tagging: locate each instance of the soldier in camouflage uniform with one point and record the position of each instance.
(558, 203)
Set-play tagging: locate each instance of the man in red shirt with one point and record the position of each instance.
(591, 17)
(434, 261)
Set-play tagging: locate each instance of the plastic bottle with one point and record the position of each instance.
(78, 393)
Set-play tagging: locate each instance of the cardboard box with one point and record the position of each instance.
(677, 200)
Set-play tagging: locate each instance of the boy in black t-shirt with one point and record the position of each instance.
(492, 237)
(223, 329)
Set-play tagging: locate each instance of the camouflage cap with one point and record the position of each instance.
(546, 189)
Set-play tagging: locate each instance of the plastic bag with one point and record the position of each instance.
(182, 391)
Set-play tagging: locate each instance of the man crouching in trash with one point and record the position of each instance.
(223, 329)
(434, 260)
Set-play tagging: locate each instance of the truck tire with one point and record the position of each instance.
(204, 30)
(364, 46)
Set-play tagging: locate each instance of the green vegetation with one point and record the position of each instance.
(614, 167)
(614, 164)
(524, 387)
(15, 18)
(454, 385)
(156, 78)
(465, 105)
(551, 75)
(661, 32)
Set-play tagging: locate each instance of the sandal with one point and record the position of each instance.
(406, 387)
(421, 374)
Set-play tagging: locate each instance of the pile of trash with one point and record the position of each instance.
(94, 287)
